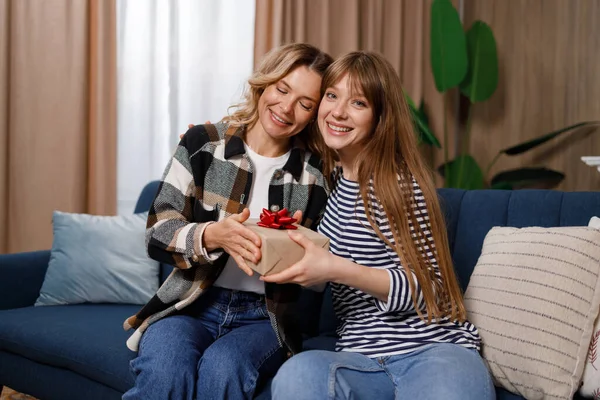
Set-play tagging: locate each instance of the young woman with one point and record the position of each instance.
(214, 330)
(403, 331)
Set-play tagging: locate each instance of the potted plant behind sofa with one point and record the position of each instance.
(468, 61)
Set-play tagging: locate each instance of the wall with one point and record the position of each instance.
(549, 58)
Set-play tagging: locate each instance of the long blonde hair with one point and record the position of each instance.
(390, 153)
(274, 66)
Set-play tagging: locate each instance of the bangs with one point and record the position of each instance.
(362, 77)
(355, 85)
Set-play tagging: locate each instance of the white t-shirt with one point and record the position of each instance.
(232, 276)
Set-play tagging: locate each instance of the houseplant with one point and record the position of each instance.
(468, 61)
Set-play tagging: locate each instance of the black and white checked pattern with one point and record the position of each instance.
(209, 178)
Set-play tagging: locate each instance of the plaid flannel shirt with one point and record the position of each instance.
(209, 178)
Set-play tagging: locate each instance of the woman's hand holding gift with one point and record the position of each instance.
(316, 267)
(319, 266)
(235, 239)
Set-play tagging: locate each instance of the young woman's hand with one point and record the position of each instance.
(235, 239)
(319, 266)
(315, 268)
(190, 126)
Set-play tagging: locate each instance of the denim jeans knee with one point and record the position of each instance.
(441, 370)
(435, 371)
(165, 367)
(239, 363)
(221, 347)
(319, 374)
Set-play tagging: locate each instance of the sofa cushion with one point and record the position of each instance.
(46, 382)
(590, 385)
(87, 339)
(99, 259)
(534, 296)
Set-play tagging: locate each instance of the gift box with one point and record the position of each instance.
(278, 250)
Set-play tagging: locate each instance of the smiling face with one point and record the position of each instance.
(287, 106)
(345, 119)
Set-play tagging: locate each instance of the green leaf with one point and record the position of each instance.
(425, 133)
(410, 101)
(528, 177)
(526, 146)
(482, 75)
(423, 113)
(448, 50)
(422, 123)
(472, 176)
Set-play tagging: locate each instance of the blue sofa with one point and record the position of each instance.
(78, 351)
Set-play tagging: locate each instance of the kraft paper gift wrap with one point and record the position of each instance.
(278, 250)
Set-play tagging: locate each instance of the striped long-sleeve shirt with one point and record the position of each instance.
(367, 325)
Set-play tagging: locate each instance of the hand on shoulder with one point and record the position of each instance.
(190, 126)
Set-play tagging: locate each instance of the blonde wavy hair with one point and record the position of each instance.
(390, 153)
(274, 66)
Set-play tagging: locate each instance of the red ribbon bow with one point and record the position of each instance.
(276, 220)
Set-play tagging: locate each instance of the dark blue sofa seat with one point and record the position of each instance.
(79, 352)
(56, 336)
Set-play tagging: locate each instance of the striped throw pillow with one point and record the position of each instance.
(534, 295)
(590, 385)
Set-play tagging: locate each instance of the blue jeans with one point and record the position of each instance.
(437, 371)
(221, 347)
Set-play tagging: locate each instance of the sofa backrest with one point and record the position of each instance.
(471, 214)
(143, 204)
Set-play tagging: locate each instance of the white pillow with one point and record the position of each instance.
(534, 296)
(591, 371)
(98, 259)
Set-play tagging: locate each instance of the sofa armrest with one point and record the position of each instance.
(21, 278)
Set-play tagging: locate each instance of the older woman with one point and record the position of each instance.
(214, 330)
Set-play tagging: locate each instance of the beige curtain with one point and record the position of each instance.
(57, 115)
(398, 29)
(393, 28)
